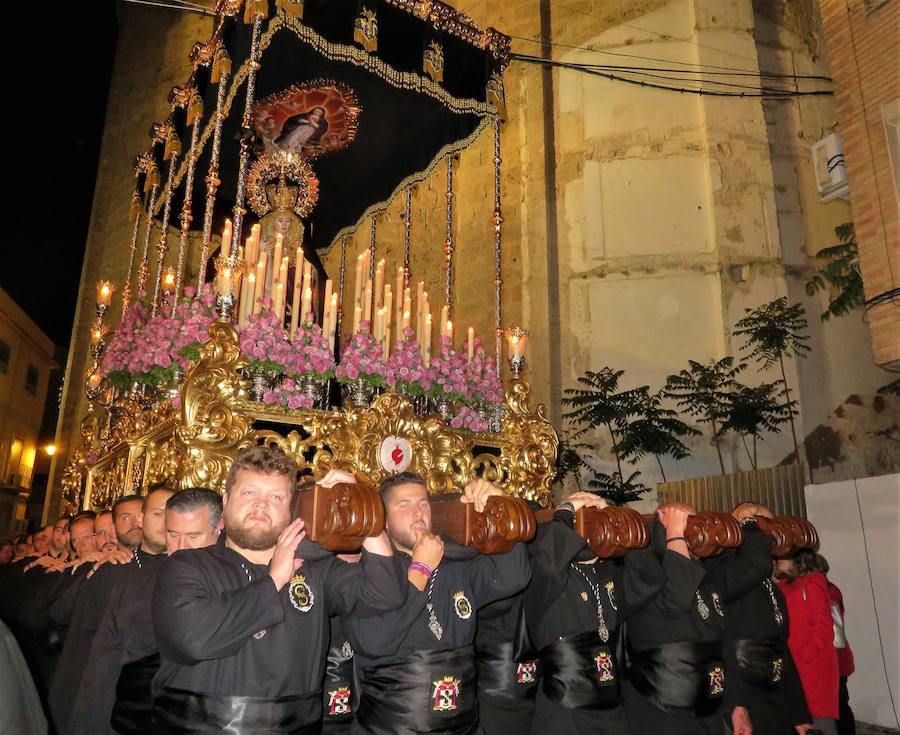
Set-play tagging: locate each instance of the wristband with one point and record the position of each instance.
(566, 505)
(747, 521)
(675, 538)
(423, 568)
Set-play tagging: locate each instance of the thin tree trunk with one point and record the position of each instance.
(755, 459)
(787, 397)
(747, 450)
(659, 462)
(615, 453)
(716, 442)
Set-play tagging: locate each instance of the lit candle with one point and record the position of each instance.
(295, 302)
(226, 237)
(398, 289)
(283, 288)
(420, 310)
(104, 293)
(259, 292)
(168, 280)
(445, 319)
(450, 332)
(332, 319)
(386, 344)
(471, 343)
(388, 307)
(326, 303)
(247, 304)
(406, 311)
(277, 298)
(357, 285)
(406, 318)
(357, 317)
(378, 332)
(379, 283)
(305, 304)
(367, 302)
(276, 253)
(426, 342)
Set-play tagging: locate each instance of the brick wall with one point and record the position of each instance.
(862, 51)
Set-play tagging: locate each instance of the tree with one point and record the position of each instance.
(614, 488)
(839, 274)
(600, 404)
(655, 430)
(704, 391)
(752, 412)
(892, 388)
(773, 331)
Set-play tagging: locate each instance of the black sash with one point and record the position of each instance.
(177, 712)
(425, 692)
(761, 661)
(580, 672)
(134, 700)
(683, 677)
(500, 675)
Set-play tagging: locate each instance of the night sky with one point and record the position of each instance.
(56, 105)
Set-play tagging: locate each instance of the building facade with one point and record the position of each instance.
(26, 362)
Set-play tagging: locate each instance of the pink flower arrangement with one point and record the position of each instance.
(405, 370)
(150, 350)
(468, 418)
(264, 341)
(287, 394)
(449, 372)
(312, 354)
(362, 358)
(481, 375)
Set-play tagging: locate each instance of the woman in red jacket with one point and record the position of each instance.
(811, 637)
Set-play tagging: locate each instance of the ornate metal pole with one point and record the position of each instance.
(212, 175)
(137, 208)
(448, 244)
(246, 122)
(186, 215)
(144, 267)
(498, 225)
(407, 238)
(173, 148)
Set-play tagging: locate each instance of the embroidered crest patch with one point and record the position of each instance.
(301, 594)
(605, 670)
(717, 605)
(346, 650)
(717, 682)
(445, 695)
(777, 670)
(526, 673)
(611, 593)
(339, 702)
(461, 605)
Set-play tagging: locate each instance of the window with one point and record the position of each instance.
(31, 380)
(4, 357)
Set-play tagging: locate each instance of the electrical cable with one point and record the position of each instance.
(862, 526)
(762, 92)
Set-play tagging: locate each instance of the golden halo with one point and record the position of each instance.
(295, 183)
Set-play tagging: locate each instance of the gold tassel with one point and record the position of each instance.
(136, 207)
(433, 62)
(292, 8)
(221, 65)
(253, 8)
(173, 146)
(151, 180)
(195, 108)
(365, 30)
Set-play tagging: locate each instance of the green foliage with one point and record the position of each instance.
(756, 410)
(890, 389)
(839, 274)
(705, 391)
(773, 331)
(571, 458)
(600, 402)
(616, 489)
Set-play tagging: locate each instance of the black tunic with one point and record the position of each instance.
(83, 603)
(458, 590)
(124, 638)
(224, 629)
(756, 614)
(560, 603)
(689, 610)
(338, 688)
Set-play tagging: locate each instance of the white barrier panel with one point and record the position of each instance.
(859, 527)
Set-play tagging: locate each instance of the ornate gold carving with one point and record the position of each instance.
(365, 30)
(148, 442)
(496, 95)
(291, 8)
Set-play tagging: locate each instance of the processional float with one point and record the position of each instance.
(297, 124)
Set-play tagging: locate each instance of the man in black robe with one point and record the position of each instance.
(678, 678)
(756, 630)
(82, 605)
(115, 693)
(575, 606)
(417, 664)
(242, 626)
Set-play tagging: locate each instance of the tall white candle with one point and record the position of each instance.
(471, 341)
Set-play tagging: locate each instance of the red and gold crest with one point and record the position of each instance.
(526, 673)
(717, 682)
(339, 702)
(446, 694)
(604, 663)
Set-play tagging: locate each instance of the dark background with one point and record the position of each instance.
(57, 87)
